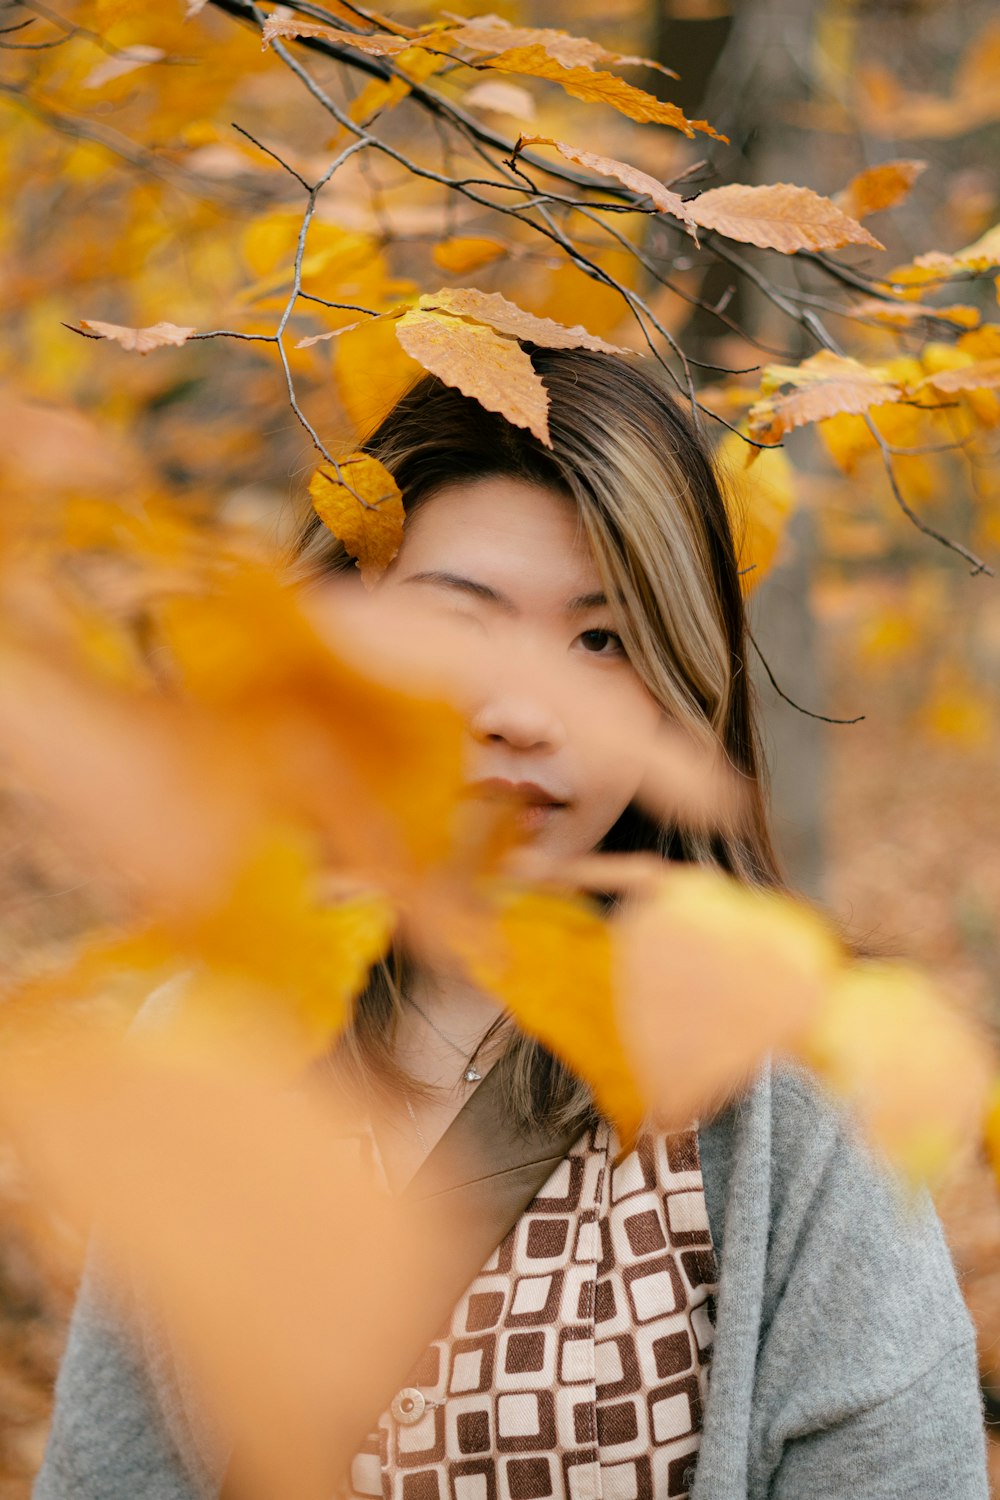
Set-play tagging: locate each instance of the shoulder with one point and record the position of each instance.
(838, 1252)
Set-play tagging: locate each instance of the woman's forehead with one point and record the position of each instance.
(521, 540)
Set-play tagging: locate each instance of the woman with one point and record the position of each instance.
(740, 1310)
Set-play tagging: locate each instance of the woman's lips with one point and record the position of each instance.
(534, 805)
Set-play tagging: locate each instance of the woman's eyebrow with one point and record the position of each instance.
(485, 591)
(465, 586)
(586, 601)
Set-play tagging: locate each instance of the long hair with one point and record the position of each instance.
(652, 510)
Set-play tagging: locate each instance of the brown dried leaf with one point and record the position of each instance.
(138, 340)
(778, 216)
(338, 11)
(494, 370)
(878, 187)
(490, 33)
(379, 44)
(821, 386)
(632, 177)
(364, 508)
(507, 317)
(599, 88)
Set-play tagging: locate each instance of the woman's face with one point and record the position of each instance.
(505, 559)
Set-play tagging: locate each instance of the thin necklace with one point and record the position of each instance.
(471, 1073)
(416, 1125)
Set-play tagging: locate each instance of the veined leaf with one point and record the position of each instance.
(138, 340)
(506, 317)
(631, 177)
(821, 386)
(778, 216)
(481, 363)
(598, 88)
(364, 508)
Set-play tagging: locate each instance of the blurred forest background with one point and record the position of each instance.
(141, 202)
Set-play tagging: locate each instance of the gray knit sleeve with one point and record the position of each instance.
(108, 1439)
(927, 1439)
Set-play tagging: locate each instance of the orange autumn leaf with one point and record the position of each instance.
(598, 88)
(363, 507)
(464, 253)
(821, 386)
(878, 188)
(632, 177)
(138, 340)
(221, 1200)
(506, 317)
(778, 216)
(549, 962)
(483, 364)
(712, 976)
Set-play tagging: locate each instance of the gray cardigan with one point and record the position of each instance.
(844, 1362)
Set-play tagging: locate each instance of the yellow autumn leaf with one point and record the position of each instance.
(778, 216)
(412, 66)
(821, 386)
(991, 1129)
(981, 256)
(760, 500)
(274, 955)
(711, 976)
(371, 370)
(903, 314)
(549, 961)
(878, 187)
(462, 253)
(492, 369)
(138, 340)
(363, 507)
(915, 1073)
(598, 88)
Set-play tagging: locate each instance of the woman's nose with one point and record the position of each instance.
(519, 721)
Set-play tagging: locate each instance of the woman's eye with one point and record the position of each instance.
(597, 642)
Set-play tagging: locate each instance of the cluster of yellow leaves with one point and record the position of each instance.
(827, 387)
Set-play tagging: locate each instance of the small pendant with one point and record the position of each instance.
(471, 1075)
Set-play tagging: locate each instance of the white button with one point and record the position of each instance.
(408, 1405)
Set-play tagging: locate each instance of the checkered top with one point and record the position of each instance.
(575, 1367)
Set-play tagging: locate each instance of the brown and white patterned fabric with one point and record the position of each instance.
(575, 1367)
